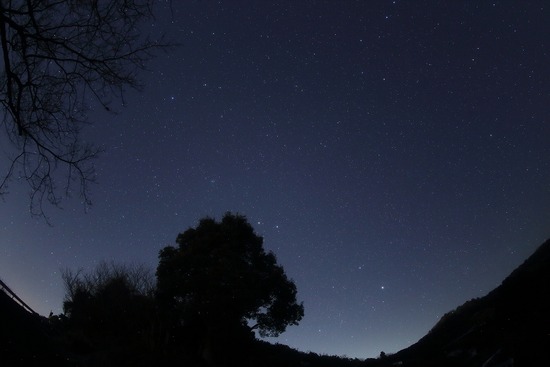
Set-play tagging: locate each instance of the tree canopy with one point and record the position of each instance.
(219, 275)
(60, 58)
(112, 305)
(212, 289)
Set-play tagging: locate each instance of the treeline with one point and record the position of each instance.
(208, 296)
(202, 306)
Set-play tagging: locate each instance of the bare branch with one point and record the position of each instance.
(58, 59)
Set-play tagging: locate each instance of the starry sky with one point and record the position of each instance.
(394, 155)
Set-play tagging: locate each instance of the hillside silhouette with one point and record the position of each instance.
(26, 338)
(510, 326)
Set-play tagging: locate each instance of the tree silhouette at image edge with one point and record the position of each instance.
(59, 60)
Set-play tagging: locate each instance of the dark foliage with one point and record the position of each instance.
(113, 321)
(219, 280)
(112, 310)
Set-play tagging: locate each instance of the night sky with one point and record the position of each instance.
(394, 155)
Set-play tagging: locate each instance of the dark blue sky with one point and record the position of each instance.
(393, 154)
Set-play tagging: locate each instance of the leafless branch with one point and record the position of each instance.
(60, 58)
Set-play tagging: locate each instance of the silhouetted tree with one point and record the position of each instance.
(58, 59)
(112, 307)
(219, 280)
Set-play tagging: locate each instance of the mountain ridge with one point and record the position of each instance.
(507, 327)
